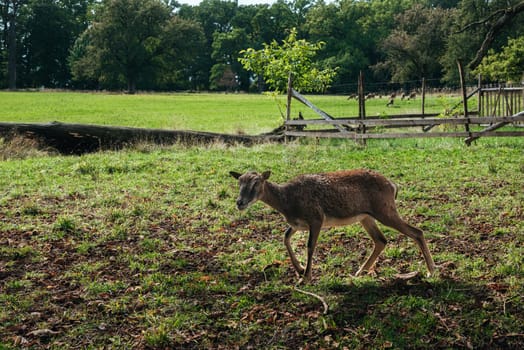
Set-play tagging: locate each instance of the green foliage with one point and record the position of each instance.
(123, 40)
(226, 48)
(50, 30)
(165, 45)
(275, 63)
(506, 65)
(134, 42)
(413, 49)
(353, 31)
(222, 77)
(470, 23)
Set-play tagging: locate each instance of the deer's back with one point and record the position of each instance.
(340, 194)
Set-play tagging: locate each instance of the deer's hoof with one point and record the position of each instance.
(434, 273)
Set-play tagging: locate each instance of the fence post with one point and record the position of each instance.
(480, 98)
(361, 102)
(289, 97)
(423, 95)
(288, 106)
(464, 95)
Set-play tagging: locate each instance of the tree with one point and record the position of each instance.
(83, 62)
(226, 48)
(272, 22)
(413, 48)
(49, 34)
(10, 12)
(293, 57)
(338, 25)
(124, 40)
(182, 44)
(497, 21)
(137, 43)
(477, 26)
(507, 65)
(223, 77)
(3, 44)
(214, 16)
(41, 33)
(353, 31)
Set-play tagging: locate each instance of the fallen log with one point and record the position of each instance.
(85, 138)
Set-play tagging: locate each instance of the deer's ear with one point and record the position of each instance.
(266, 174)
(235, 174)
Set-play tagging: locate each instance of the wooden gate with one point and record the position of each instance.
(500, 101)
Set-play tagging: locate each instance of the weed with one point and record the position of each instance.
(32, 210)
(86, 168)
(85, 247)
(18, 284)
(96, 288)
(17, 253)
(65, 224)
(19, 147)
(158, 336)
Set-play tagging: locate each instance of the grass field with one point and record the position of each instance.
(230, 113)
(144, 248)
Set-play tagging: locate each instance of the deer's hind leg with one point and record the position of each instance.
(396, 222)
(379, 242)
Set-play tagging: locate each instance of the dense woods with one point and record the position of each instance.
(164, 45)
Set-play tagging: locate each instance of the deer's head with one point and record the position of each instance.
(251, 187)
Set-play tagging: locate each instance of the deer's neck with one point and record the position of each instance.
(274, 197)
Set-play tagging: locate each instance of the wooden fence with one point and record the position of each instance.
(497, 107)
(500, 100)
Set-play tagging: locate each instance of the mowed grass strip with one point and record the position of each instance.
(228, 113)
(145, 249)
(203, 112)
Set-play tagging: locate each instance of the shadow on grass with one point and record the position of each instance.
(420, 313)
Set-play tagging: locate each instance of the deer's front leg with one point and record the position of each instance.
(314, 231)
(287, 241)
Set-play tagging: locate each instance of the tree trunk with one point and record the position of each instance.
(131, 85)
(82, 138)
(11, 46)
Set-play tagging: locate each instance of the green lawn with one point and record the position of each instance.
(144, 248)
(210, 112)
(230, 113)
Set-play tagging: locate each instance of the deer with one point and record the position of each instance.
(312, 202)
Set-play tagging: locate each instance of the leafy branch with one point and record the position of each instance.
(275, 62)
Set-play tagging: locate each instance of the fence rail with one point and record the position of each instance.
(357, 136)
(408, 122)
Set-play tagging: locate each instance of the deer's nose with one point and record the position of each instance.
(241, 204)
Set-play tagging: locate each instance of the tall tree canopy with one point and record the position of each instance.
(414, 47)
(163, 45)
(50, 32)
(129, 39)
